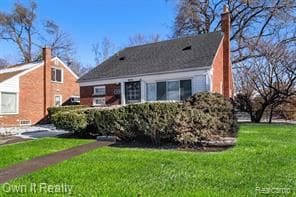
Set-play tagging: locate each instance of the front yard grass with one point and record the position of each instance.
(263, 158)
(14, 153)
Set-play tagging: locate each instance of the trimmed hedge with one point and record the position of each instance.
(203, 116)
(54, 110)
(150, 122)
(70, 120)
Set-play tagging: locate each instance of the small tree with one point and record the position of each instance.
(266, 82)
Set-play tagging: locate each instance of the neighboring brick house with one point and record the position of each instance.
(169, 70)
(27, 90)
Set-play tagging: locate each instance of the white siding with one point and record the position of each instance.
(200, 79)
(199, 84)
(10, 85)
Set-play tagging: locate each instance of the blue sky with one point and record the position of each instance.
(89, 21)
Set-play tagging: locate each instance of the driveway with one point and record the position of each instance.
(16, 134)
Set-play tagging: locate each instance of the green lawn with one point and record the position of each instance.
(265, 156)
(14, 153)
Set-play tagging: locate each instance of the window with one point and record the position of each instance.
(173, 92)
(99, 90)
(57, 75)
(8, 103)
(58, 100)
(151, 91)
(169, 90)
(185, 89)
(99, 101)
(133, 92)
(161, 91)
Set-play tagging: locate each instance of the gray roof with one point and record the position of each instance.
(164, 56)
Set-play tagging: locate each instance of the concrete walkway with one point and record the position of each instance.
(38, 163)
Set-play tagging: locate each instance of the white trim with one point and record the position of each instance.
(62, 74)
(17, 104)
(32, 66)
(149, 78)
(21, 67)
(67, 67)
(99, 87)
(101, 98)
(122, 93)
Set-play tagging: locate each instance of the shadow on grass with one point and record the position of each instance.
(172, 147)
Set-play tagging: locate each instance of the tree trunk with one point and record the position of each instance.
(258, 115)
(270, 115)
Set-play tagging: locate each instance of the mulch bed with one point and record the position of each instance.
(207, 148)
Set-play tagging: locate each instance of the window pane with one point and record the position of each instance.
(99, 101)
(58, 75)
(173, 90)
(53, 74)
(161, 91)
(133, 92)
(8, 103)
(151, 91)
(185, 89)
(100, 90)
(58, 101)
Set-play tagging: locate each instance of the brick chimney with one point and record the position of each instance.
(227, 66)
(47, 78)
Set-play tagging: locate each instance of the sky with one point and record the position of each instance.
(89, 21)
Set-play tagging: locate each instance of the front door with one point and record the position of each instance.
(133, 92)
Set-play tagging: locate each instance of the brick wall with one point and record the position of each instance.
(227, 66)
(86, 95)
(31, 95)
(217, 82)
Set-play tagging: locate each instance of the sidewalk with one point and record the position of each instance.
(38, 163)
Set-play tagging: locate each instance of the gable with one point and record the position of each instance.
(59, 63)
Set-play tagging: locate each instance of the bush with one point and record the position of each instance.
(149, 122)
(220, 108)
(203, 116)
(192, 125)
(54, 110)
(70, 120)
(90, 119)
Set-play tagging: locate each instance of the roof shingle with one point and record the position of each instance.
(159, 57)
(8, 75)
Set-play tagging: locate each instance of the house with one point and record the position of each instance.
(169, 70)
(27, 90)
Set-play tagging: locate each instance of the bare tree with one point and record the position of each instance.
(252, 21)
(139, 39)
(60, 43)
(266, 82)
(103, 50)
(20, 27)
(3, 63)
